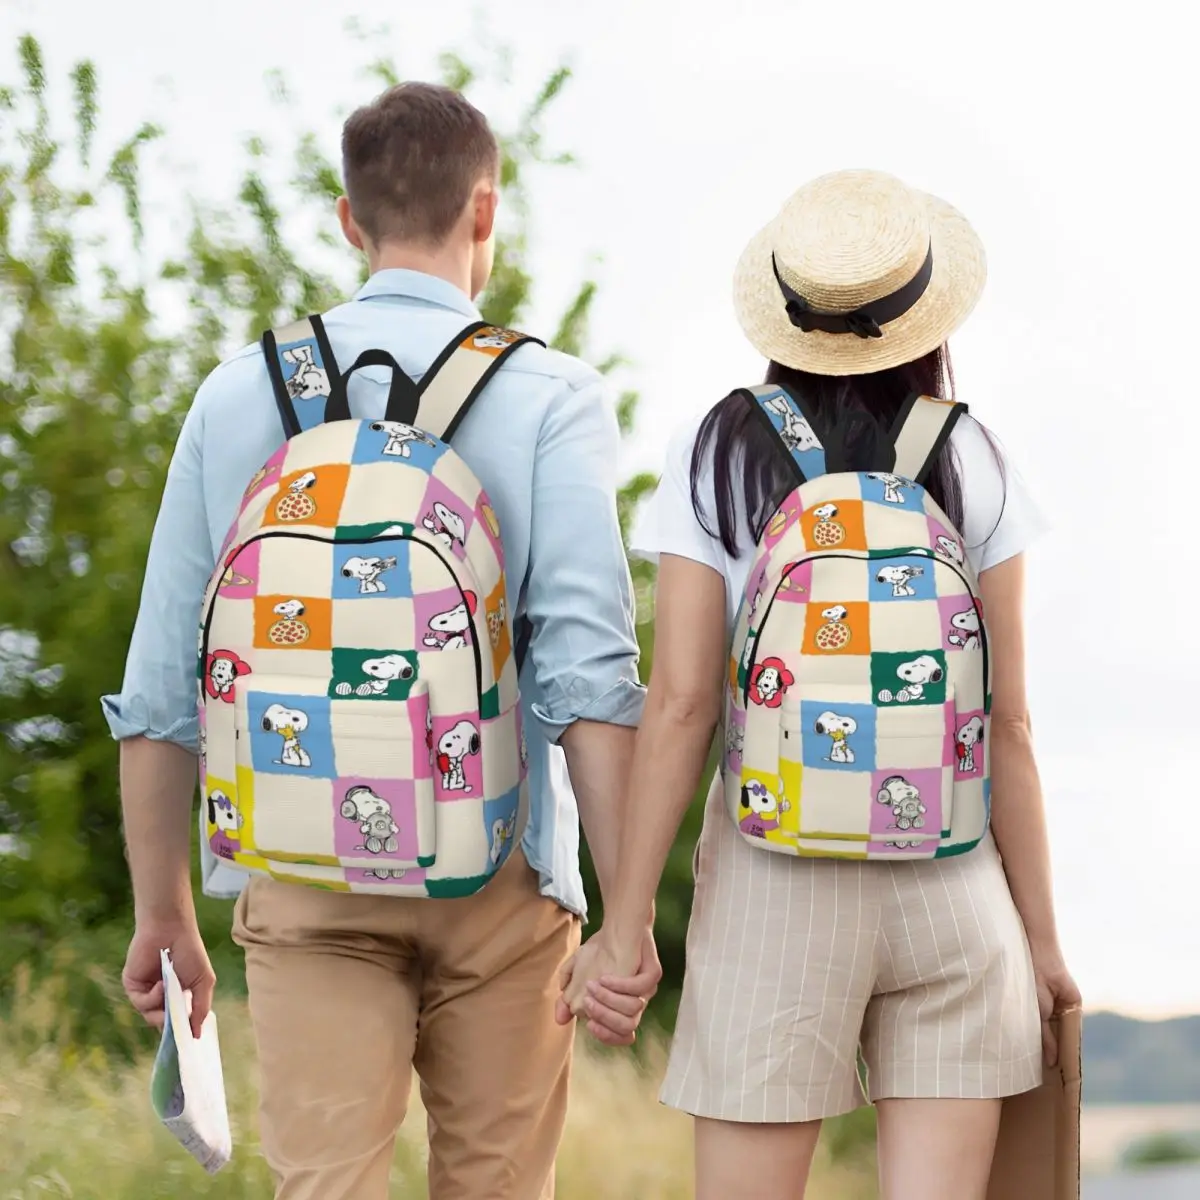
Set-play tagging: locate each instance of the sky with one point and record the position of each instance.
(1064, 135)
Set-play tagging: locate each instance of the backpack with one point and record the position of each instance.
(360, 718)
(856, 722)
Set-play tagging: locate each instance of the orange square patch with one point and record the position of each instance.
(292, 623)
(835, 526)
(497, 627)
(838, 628)
(312, 497)
(491, 340)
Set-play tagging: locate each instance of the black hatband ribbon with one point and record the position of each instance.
(865, 322)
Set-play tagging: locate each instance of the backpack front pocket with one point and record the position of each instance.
(331, 782)
(829, 764)
(913, 780)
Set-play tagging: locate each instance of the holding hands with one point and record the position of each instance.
(608, 984)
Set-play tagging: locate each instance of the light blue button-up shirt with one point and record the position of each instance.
(544, 442)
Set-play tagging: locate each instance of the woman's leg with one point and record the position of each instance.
(745, 1161)
(953, 1025)
(936, 1149)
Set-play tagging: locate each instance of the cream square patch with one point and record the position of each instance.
(911, 625)
(232, 626)
(294, 566)
(430, 566)
(838, 580)
(382, 491)
(293, 815)
(501, 754)
(332, 443)
(380, 623)
(969, 818)
(835, 803)
(463, 844)
(893, 527)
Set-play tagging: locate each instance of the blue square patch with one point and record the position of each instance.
(392, 441)
(290, 735)
(500, 826)
(895, 491)
(371, 569)
(909, 578)
(837, 737)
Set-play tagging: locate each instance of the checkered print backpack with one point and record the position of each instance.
(856, 724)
(359, 709)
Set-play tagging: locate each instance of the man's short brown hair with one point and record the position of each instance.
(410, 159)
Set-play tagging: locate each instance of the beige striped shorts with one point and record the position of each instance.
(796, 966)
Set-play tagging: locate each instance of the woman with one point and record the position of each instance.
(935, 969)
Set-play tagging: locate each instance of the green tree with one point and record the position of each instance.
(93, 387)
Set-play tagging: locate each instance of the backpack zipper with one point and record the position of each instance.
(916, 552)
(312, 537)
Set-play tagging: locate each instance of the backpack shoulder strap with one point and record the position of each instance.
(460, 373)
(922, 427)
(793, 426)
(308, 386)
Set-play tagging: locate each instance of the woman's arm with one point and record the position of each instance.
(1018, 814)
(683, 705)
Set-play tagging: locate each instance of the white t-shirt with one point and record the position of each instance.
(1000, 519)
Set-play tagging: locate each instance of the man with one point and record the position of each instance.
(348, 992)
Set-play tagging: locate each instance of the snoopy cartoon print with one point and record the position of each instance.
(225, 816)
(400, 438)
(908, 812)
(308, 381)
(493, 339)
(289, 724)
(769, 682)
(915, 676)
(965, 630)
(966, 740)
(502, 831)
(950, 548)
(900, 579)
(839, 730)
(762, 809)
(368, 570)
(735, 741)
(448, 630)
(797, 433)
(452, 749)
(893, 485)
(296, 504)
(495, 621)
(223, 669)
(374, 817)
(446, 525)
(389, 669)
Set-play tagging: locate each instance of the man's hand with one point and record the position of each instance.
(142, 977)
(610, 988)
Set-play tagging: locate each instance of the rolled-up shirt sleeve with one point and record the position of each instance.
(579, 596)
(158, 698)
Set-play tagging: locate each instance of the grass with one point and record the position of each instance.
(76, 1123)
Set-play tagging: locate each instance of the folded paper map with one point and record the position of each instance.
(187, 1088)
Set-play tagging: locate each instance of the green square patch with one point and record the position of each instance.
(489, 704)
(373, 674)
(908, 677)
(377, 529)
(456, 889)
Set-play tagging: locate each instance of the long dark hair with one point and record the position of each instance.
(860, 407)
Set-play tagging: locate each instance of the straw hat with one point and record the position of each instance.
(858, 272)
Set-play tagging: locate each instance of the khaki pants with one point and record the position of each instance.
(349, 992)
